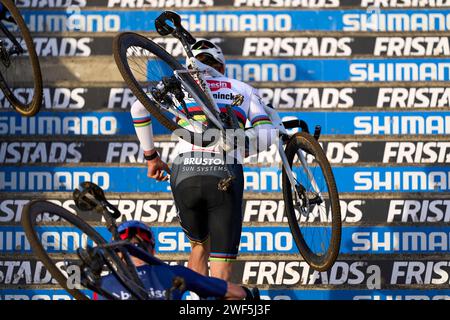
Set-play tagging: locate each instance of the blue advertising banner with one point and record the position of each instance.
(120, 123)
(280, 294)
(78, 19)
(37, 294)
(254, 240)
(361, 179)
(329, 70)
(256, 179)
(273, 294)
(71, 123)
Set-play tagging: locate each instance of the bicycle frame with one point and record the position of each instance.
(186, 39)
(92, 198)
(278, 124)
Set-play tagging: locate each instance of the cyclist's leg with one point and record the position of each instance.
(193, 218)
(198, 259)
(225, 226)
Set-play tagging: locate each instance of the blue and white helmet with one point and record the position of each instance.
(204, 46)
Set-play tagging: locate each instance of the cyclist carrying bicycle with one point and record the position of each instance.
(210, 218)
(159, 278)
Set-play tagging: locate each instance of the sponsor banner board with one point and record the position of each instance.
(254, 240)
(306, 4)
(55, 45)
(330, 70)
(256, 179)
(362, 274)
(353, 210)
(281, 97)
(130, 151)
(353, 20)
(336, 123)
(272, 294)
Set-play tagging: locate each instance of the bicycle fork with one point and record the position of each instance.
(299, 189)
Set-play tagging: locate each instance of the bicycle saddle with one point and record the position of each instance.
(90, 196)
(164, 29)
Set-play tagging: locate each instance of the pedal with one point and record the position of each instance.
(225, 184)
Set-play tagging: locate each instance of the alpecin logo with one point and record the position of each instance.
(217, 85)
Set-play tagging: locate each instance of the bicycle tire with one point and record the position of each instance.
(308, 143)
(125, 40)
(34, 106)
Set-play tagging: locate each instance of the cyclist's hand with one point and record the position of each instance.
(156, 168)
(252, 294)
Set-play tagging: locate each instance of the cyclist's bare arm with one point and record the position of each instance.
(263, 133)
(143, 126)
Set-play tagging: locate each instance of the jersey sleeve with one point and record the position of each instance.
(263, 133)
(204, 286)
(142, 125)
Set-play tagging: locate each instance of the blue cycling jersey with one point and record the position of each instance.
(158, 278)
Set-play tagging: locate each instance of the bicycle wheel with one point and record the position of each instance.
(143, 65)
(312, 206)
(54, 235)
(19, 69)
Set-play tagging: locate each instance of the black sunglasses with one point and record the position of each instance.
(203, 44)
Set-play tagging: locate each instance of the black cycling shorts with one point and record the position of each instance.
(204, 211)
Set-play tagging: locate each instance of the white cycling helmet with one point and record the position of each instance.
(207, 47)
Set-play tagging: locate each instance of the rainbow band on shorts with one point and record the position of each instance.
(224, 257)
